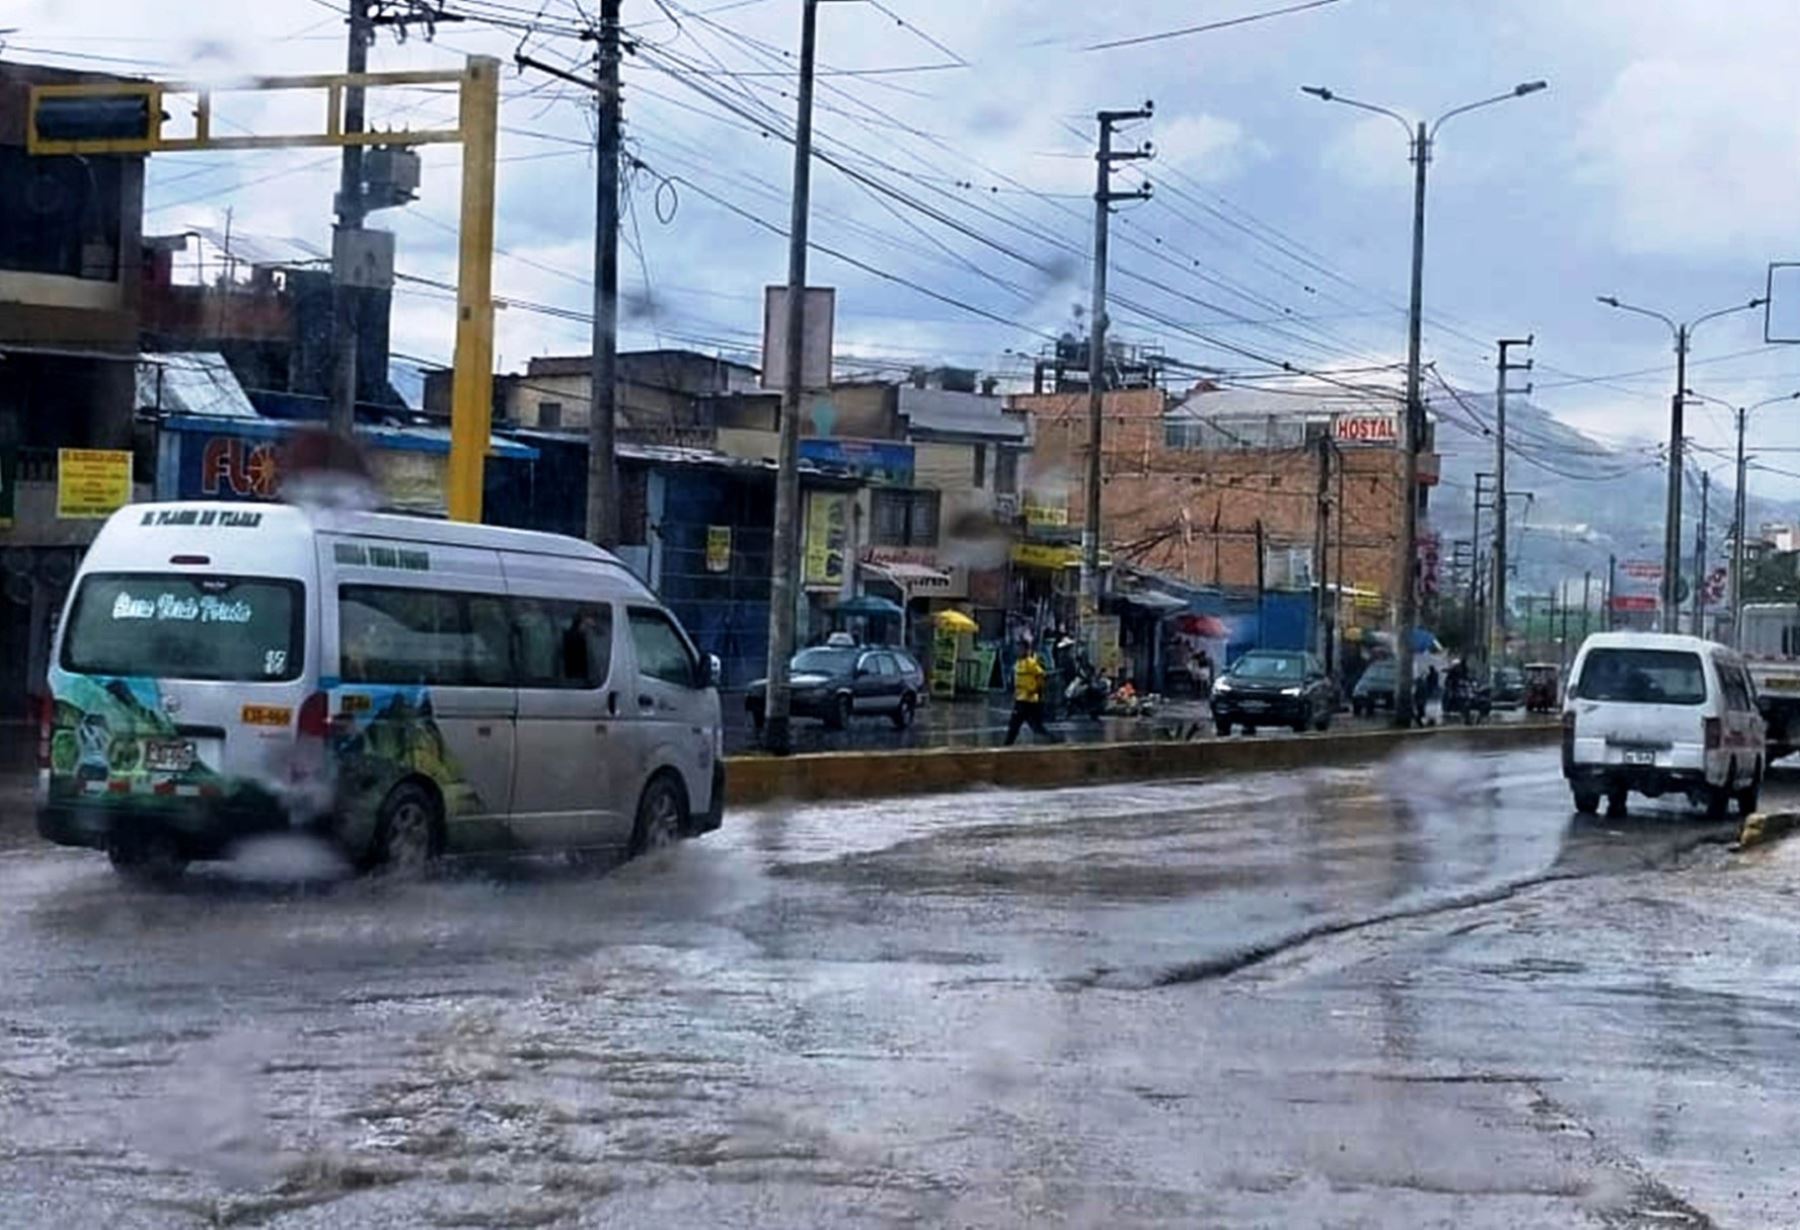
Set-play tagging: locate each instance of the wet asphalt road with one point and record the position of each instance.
(1418, 994)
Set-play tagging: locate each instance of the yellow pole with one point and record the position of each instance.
(472, 383)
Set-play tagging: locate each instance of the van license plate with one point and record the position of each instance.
(1640, 757)
(168, 755)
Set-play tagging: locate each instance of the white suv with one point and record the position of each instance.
(1661, 715)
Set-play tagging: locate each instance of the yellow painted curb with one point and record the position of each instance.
(1763, 827)
(756, 779)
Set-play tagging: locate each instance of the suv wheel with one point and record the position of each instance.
(838, 716)
(903, 716)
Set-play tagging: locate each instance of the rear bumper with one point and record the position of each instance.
(1644, 779)
(201, 828)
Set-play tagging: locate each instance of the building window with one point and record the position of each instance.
(904, 518)
(549, 415)
(1006, 472)
(981, 465)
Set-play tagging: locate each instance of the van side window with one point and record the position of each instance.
(387, 634)
(662, 652)
(1731, 684)
(563, 644)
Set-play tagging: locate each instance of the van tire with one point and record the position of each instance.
(409, 831)
(152, 860)
(662, 815)
(1747, 797)
(903, 716)
(1718, 800)
(1615, 801)
(1587, 802)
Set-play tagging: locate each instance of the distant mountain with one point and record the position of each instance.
(1591, 500)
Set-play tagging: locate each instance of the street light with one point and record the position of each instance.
(1419, 140)
(1742, 414)
(1672, 515)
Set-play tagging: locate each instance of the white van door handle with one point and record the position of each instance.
(646, 702)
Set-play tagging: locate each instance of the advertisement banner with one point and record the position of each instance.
(92, 482)
(876, 461)
(943, 664)
(718, 548)
(827, 539)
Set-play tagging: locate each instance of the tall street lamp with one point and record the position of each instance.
(1672, 515)
(1742, 414)
(1419, 142)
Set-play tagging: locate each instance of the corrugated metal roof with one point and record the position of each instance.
(197, 382)
(962, 414)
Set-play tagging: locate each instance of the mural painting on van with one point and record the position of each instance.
(111, 736)
(386, 733)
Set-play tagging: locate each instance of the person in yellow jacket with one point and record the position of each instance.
(1028, 696)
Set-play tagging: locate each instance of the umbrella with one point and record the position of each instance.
(955, 621)
(1210, 627)
(869, 605)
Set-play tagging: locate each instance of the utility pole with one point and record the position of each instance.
(1562, 650)
(1737, 538)
(1321, 522)
(603, 383)
(1104, 197)
(1406, 571)
(345, 298)
(1700, 553)
(1474, 627)
(1587, 601)
(1497, 589)
(1337, 602)
(1261, 555)
(785, 561)
(1612, 580)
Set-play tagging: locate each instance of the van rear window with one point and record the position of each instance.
(160, 626)
(1643, 677)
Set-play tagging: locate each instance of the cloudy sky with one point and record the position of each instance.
(1662, 165)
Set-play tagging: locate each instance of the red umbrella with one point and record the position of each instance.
(1211, 627)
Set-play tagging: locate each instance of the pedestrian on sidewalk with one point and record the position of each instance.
(1028, 696)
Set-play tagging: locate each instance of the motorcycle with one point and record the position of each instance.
(1088, 692)
(1468, 699)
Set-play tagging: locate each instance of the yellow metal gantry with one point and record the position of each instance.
(477, 131)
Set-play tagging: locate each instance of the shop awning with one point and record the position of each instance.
(1153, 601)
(913, 580)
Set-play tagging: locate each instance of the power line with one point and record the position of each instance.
(1211, 25)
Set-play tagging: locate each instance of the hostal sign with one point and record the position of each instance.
(1378, 429)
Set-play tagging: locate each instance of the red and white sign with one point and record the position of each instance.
(1642, 569)
(1381, 429)
(1634, 602)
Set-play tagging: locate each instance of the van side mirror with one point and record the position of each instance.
(711, 671)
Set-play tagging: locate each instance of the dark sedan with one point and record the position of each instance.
(1509, 687)
(1273, 688)
(835, 683)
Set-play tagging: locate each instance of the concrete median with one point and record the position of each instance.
(754, 780)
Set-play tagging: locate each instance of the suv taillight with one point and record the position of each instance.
(46, 715)
(315, 717)
(1568, 738)
(1713, 734)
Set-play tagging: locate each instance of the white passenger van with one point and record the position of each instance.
(405, 686)
(1661, 715)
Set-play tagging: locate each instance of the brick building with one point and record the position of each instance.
(1188, 480)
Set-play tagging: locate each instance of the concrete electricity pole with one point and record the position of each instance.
(1497, 591)
(1321, 532)
(1700, 553)
(1671, 582)
(345, 299)
(603, 382)
(1406, 563)
(1104, 197)
(1612, 580)
(1587, 600)
(785, 562)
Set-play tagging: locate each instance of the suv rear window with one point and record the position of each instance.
(1643, 677)
(160, 626)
